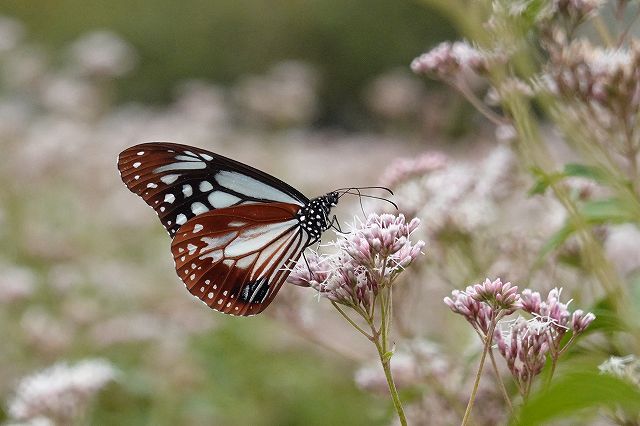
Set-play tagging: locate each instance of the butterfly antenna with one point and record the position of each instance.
(361, 195)
(384, 188)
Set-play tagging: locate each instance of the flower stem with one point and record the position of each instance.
(487, 344)
(503, 389)
(381, 341)
(350, 321)
(386, 366)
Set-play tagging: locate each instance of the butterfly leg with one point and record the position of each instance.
(335, 224)
(308, 267)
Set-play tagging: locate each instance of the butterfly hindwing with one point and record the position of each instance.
(235, 259)
(181, 182)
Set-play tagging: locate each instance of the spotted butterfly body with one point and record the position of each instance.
(236, 231)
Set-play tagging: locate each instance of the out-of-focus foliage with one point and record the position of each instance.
(349, 42)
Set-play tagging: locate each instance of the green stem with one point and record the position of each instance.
(503, 389)
(487, 344)
(350, 321)
(381, 341)
(386, 366)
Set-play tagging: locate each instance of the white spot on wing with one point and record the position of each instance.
(181, 219)
(152, 185)
(187, 190)
(206, 157)
(198, 208)
(205, 186)
(197, 228)
(182, 165)
(253, 188)
(141, 153)
(169, 198)
(137, 164)
(192, 249)
(219, 199)
(169, 179)
(215, 242)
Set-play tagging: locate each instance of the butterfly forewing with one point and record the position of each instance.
(181, 182)
(236, 259)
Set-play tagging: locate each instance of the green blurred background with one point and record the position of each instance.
(238, 372)
(349, 42)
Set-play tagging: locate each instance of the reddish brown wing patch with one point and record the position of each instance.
(236, 259)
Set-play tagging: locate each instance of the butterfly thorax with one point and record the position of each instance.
(314, 216)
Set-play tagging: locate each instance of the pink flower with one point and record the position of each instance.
(478, 314)
(580, 321)
(371, 255)
(497, 295)
(524, 347)
(482, 303)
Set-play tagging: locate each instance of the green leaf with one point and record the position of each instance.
(543, 180)
(610, 210)
(387, 356)
(574, 393)
(607, 319)
(556, 240)
(582, 170)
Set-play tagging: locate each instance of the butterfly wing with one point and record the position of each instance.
(180, 182)
(235, 259)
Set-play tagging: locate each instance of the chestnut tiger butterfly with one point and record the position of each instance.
(236, 231)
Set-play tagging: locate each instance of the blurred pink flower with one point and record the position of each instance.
(447, 59)
(402, 169)
(16, 284)
(62, 392)
(103, 54)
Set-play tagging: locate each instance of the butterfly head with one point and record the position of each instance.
(332, 198)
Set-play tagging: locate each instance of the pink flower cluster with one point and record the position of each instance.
(371, 255)
(480, 304)
(525, 344)
(447, 59)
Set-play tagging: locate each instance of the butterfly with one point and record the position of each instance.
(236, 231)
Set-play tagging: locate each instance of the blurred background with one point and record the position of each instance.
(317, 93)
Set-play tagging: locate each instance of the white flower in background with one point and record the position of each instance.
(285, 96)
(62, 392)
(71, 96)
(103, 53)
(15, 284)
(623, 247)
(11, 33)
(395, 95)
(626, 367)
